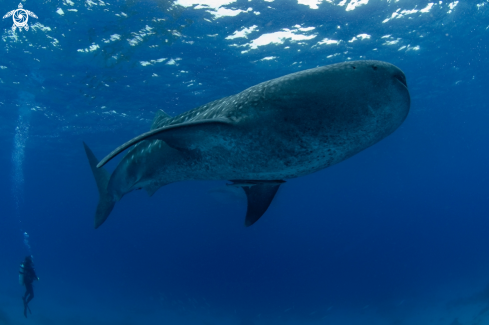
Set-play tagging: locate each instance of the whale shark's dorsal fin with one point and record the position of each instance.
(160, 119)
(260, 194)
(166, 132)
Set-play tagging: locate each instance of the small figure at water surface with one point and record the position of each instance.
(27, 275)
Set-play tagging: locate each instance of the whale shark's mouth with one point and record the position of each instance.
(401, 78)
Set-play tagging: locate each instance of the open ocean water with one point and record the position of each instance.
(396, 235)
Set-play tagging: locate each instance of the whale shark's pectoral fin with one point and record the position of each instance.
(165, 133)
(260, 194)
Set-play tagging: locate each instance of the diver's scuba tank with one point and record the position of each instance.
(21, 274)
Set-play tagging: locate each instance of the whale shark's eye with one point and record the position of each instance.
(354, 67)
(374, 67)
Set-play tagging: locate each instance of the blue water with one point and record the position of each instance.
(397, 234)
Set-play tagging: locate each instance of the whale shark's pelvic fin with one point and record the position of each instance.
(161, 117)
(106, 202)
(165, 133)
(152, 188)
(260, 194)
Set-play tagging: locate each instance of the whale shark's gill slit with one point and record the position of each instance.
(25, 100)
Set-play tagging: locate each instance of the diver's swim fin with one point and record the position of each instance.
(260, 194)
(106, 201)
(26, 307)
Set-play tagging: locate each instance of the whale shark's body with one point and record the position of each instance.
(279, 129)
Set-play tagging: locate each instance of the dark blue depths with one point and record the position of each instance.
(395, 235)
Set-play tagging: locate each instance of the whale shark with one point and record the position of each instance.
(257, 139)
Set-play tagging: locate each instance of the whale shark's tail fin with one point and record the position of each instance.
(106, 201)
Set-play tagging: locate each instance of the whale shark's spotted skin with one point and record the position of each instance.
(279, 129)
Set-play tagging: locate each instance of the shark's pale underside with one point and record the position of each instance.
(279, 129)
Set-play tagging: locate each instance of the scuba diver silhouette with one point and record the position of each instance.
(27, 275)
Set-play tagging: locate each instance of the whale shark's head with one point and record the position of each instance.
(360, 100)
